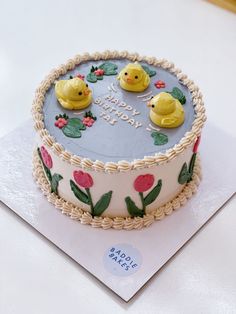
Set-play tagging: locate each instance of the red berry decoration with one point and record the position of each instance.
(99, 72)
(160, 84)
(61, 121)
(88, 121)
(81, 76)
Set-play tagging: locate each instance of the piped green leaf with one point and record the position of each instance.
(159, 138)
(178, 94)
(79, 193)
(102, 204)
(184, 174)
(55, 181)
(91, 77)
(46, 169)
(191, 166)
(73, 128)
(150, 198)
(133, 210)
(109, 68)
(149, 71)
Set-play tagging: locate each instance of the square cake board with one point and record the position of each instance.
(99, 251)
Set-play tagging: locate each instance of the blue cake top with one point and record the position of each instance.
(116, 125)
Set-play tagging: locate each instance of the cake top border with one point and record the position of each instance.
(159, 158)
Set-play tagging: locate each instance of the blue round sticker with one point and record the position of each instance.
(122, 259)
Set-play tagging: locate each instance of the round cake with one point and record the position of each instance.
(117, 138)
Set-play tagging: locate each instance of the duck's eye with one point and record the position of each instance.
(86, 85)
(136, 76)
(152, 97)
(153, 106)
(126, 73)
(80, 93)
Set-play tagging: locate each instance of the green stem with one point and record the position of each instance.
(142, 201)
(90, 200)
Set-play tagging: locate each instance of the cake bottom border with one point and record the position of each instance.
(118, 223)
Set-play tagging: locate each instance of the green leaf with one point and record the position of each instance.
(77, 122)
(159, 138)
(46, 169)
(73, 127)
(191, 166)
(55, 181)
(149, 71)
(184, 174)
(178, 94)
(150, 198)
(79, 193)
(109, 68)
(100, 77)
(133, 210)
(91, 77)
(102, 204)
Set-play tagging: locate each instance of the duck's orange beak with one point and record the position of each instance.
(129, 80)
(86, 92)
(149, 104)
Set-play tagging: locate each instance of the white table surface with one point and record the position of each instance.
(35, 36)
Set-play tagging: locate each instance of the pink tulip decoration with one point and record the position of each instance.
(85, 180)
(142, 184)
(193, 159)
(47, 159)
(195, 147)
(47, 163)
(186, 172)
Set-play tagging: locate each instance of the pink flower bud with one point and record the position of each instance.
(47, 159)
(195, 147)
(144, 182)
(83, 179)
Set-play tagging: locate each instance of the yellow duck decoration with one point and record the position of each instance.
(166, 111)
(133, 78)
(73, 93)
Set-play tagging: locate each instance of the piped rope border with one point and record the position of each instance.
(117, 223)
(123, 165)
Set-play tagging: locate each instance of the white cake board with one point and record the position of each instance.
(149, 248)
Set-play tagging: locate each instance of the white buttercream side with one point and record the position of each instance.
(118, 223)
(122, 183)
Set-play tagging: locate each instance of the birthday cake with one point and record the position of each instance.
(117, 139)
